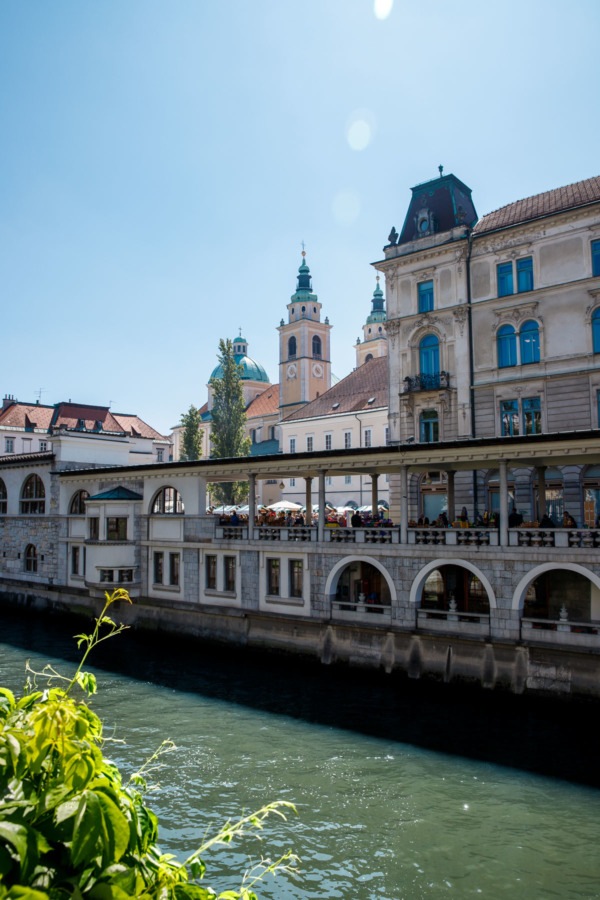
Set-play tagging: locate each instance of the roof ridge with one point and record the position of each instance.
(539, 194)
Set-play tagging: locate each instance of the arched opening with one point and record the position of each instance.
(507, 346)
(454, 588)
(33, 495)
(167, 502)
(31, 562)
(3, 498)
(316, 347)
(360, 584)
(561, 595)
(429, 355)
(77, 505)
(529, 338)
(368, 357)
(292, 348)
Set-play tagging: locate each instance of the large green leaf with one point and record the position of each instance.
(117, 827)
(22, 840)
(86, 830)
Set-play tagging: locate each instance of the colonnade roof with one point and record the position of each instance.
(558, 449)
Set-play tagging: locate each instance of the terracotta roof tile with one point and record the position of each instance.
(352, 393)
(22, 415)
(69, 414)
(132, 424)
(266, 404)
(546, 204)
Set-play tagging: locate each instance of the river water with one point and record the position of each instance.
(402, 790)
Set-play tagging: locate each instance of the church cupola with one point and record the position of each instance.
(374, 341)
(304, 347)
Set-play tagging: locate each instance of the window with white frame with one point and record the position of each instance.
(292, 482)
(292, 445)
(328, 441)
(329, 481)
(309, 443)
(347, 479)
(387, 435)
(43, 446)
(9, 445)
(296, 577)
(367, 437)
(347, 440)
(229, 573)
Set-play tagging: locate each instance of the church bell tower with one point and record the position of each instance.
(304, 348)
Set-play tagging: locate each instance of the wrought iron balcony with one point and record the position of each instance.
(435, 382)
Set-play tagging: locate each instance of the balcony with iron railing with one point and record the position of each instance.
(427, 382)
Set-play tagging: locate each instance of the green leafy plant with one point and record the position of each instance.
(69, 826)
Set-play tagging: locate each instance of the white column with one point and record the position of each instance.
(450, 482)
(503, 529)
(404, 505)
(308, 516)
(321, 521)
(251, 504)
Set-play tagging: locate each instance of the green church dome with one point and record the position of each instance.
(251, 370)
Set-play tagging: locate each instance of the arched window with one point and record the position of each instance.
(368, 357)
(530, 342)
(360, 582)
(167, 502)
(596, 330)
(77, 507)
(316, 347)
(3, 498)
(455, 585)
(429, 355)
(33, 496)
(30, 558)
(429, 426)
(292, 348)
(507, 346)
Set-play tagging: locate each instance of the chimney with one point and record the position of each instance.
(7, 401)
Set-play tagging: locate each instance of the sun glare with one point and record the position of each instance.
(383, 8)
(359, 129)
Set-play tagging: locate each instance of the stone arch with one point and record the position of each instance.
(417, 585)
(530, 577)
(166, 499)
(333, 577)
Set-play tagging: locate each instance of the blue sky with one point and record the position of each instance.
(162, 163)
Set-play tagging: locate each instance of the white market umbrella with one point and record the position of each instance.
(285, 505)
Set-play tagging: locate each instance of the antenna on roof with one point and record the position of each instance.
(440, 170)
(110, 403)
(39, 393)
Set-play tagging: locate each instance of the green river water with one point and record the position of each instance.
(402, 791)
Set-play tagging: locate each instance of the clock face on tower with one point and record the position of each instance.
(317, 370)
(291, 370)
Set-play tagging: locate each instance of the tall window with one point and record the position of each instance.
(596, 328)
(292, 348)
(387, 435)
(595, 257)
(429, 426)
(292, 482)
(347, 479)
(507, 346)
(3, 498)
(158, 566)
(9, 445)
(116, 528)
(309, 444)
(77, 507)
(210, 571)
(33, 496)
(328, 441)
(347, 440)
(504, 273)
(530, 342)
(425, 290)
(429, 355)
(229, 572)
(31, 562)
(532, 415)
(174, 569)
(273, 571)
(167, 501)
(509, 417)
(367, 437)
(292, 445)
(74, 560)
(525, 275)
(316, 347)
(295, 577)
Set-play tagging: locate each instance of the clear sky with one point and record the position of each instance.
(161, 163)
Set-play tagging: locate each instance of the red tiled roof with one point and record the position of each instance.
(550, 202)
(25, 415)
(352, 393)
(69, 414)
(18, 458)
(266, 404)
(135, 426)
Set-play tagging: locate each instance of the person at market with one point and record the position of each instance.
(356, 520)
(569, 521)
(547, 522)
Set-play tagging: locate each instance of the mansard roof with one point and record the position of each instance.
(352, 393)
(76, 417)
(548, 203)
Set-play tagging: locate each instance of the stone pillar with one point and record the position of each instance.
(321, 521)
(308, 515)
(404, 504)
(251, 504)
(503, 528)
(541, 474)
(374, 497)
(450, 485)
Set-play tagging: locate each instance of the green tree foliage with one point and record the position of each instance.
(191, 447)
(69, 825)
(228, 421)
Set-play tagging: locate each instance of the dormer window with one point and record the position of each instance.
(81, 424)
(97, 425)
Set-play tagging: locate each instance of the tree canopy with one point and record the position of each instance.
(191, 447)
(228, 420)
